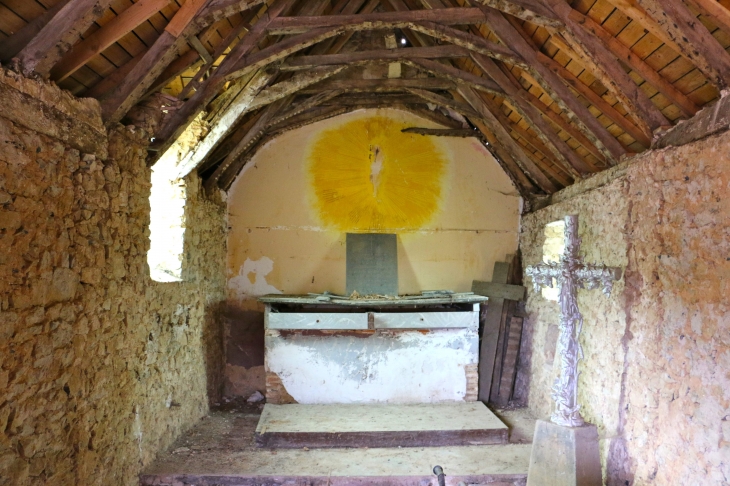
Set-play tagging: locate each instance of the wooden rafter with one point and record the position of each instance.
(624, 53)
(58, 35)
(114, 30)
(576, 165)
(154, 61)
(604, 66)
(693, 39)
(553, 84)
(350, 58)
(378, 20)
(11, 46)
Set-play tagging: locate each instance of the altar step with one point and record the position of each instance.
(221, 451)
(379, 425)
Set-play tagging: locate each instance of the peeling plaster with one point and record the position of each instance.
(251, 279)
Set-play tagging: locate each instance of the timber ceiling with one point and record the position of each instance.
(556, 90)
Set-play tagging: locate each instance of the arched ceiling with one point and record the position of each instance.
(556, 90)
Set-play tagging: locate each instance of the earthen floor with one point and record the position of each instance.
(221, 450)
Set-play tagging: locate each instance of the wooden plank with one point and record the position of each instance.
(284, 440)
(447, 16)
(58, 35)
(490, 334)
(107, 35)
(443, 132)
(694, 40)
(716, 11)
(498, 290)
(469, 41)
(426, 320)
(175, 124)
(200, 49)
(307, 62)
(554, 87)
(11, 46)
(710, 120)
(317, 320)
(240, 105)
(509, 366)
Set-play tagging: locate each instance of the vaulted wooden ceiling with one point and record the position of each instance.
(556, 90)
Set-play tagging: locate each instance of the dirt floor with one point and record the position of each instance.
(221, 450)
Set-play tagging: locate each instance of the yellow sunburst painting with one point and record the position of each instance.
(367, 175)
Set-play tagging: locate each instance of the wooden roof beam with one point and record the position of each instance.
(350, 58)
(457, 75)
(595, 99)
(223, 125)
(11, 46)
(380, 85)
(719, 14)
(294, 84)
(553, 85)
(487, 118)
(606, 68)
(531, 10)
(576, 166)
(116, 104)
(624, 53)
(58, 35)
(693, 39)
(175, 124)
(107, 35)
(448, 16)
(227, 171)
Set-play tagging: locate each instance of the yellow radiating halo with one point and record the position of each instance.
(367, 175)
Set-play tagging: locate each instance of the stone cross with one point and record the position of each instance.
(570, 273)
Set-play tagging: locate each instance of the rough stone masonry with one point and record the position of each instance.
(100, 366)
(657, 352)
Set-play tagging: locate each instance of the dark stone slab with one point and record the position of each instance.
(372, 264)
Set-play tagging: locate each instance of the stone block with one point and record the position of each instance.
(564, 456)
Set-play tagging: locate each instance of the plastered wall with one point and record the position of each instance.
(100, 367)
(454, 210)
(656, 373)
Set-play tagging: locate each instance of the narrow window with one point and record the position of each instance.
(552, 250)
(167, 222)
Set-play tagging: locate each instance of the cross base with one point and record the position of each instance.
(564, 456)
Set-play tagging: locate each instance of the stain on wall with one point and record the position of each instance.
(454, 210)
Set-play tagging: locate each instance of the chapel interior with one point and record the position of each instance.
(364, 242)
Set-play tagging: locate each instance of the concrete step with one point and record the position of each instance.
(379, 425)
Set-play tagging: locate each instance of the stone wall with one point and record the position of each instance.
(657, 352)
(100, 366)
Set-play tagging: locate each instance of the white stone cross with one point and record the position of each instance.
(570, 273)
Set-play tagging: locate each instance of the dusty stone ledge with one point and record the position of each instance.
(48, 110)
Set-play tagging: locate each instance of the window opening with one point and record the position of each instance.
(552, 250)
